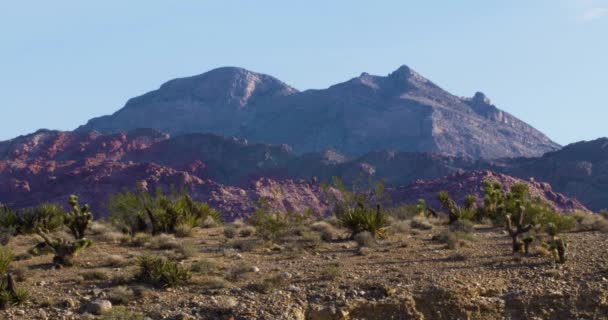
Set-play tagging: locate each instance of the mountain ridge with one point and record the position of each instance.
(402, 111)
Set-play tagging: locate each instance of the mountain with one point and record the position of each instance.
(460, 184)
(579, 170)
(399, 112)
(219, 101)
(229, 173)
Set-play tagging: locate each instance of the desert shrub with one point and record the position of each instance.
(269, 284)
(12, 298)
(115, 260)
(213, 283)
(457, 239)
(161, 272)
(361, 218)
(139, 239)
(590, 222)
(465, 226)
(246, 231)
(327, 231)
(269, 225)
(47, 216)
(159, 212)
(210, 222)
(183, 230)
(6, 257)
(421, 222)
(360, 208)
(230, 231)
(244, 245)
(164, 242)
(331, 272)
(94, 275)
(562, 222)
(186, 249)
(206, 266)
(120, 295)
(310, 239)
(400, 226)
(239, 270)
(365, 239)
(121, 313)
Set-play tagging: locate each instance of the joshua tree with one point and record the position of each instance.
(78, 219)
(517, 226)
(557, 245)
(65, 251)
(455, 212)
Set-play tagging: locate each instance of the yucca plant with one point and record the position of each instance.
(6, 257)
(161, 272)
(158, 212)
(362, 218)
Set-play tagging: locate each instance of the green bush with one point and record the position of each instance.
(361, 218)
(561, 222)
(6, 257)
(161, 272)
(158, 213)
(269, 225)
(47, 216)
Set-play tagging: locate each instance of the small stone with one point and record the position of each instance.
(20, 312)
(255, 269)
(98, 307)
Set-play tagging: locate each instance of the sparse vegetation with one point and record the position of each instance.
(161, 272)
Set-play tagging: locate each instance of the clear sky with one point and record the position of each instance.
(545, 61)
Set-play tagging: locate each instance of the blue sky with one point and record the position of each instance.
(545, 61)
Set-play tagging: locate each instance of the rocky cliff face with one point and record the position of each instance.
(230, 174)
(402, 111)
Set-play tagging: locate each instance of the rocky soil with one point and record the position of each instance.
(409, 275)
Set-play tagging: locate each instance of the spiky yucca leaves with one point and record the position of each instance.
(47, 216)
(158, 212)
(9, 293)
(362, 218)
(6, 257)
(79, 218)
(161, 272)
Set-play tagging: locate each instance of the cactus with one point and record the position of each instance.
(78, 219)
(557, 245)
(527, 242)
(455, 212)
(65, 251)
(515, 226)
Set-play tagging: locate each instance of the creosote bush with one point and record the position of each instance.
(161, 272)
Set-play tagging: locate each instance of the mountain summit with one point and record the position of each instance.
(402, 111)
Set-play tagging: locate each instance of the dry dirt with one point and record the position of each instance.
(406, 276)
